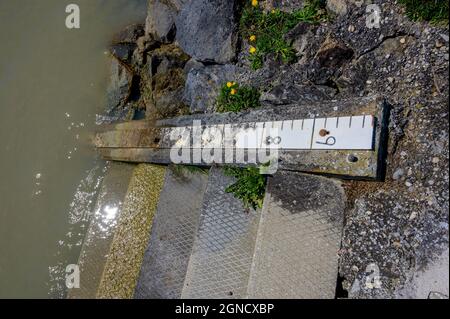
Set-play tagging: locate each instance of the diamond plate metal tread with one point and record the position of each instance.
(166, 258)
(101, 230)
(296, 254)
(219, 266)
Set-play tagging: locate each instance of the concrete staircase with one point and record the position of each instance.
(178, 234)
(209, 246)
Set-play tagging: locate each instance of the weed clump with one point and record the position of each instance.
(183, 170)
(233, 98)
(249, 187)
(265, 31)
(434, 11)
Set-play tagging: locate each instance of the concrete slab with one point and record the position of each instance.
(176, 221)
(429, 283)
(296, 254)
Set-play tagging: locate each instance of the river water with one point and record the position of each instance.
(52, 85)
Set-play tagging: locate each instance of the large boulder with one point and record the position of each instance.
(119, 87)
(206, 30)
(203, 85)
(160, 22)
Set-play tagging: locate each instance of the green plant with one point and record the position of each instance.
(249, 187)
(434, 11)
(182, 170)
(233, 98)
(266, 31)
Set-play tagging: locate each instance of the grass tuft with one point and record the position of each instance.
(234, 98)
(265, 31)
(434, 11)
(183, 170)
(249, 187)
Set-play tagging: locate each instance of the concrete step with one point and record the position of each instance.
(299, 237)
(100, 234)
(219, 266)
(132, 232)
(118, 233)
(173, 232)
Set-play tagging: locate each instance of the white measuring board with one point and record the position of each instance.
(331, 133)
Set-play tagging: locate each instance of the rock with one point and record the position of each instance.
(143, 45)
(333, 53)
(355, 289)
(206, 30)
(398, 174)
(168, 99)
(291, 94)
(160, 22)
(192, 64)
(119, 88)
(337, 7)
(117, 115)
(355, 75)
(123, 51)
(165, 80)
(203, 85)
(165, 58)
(413, 216)
(125, 42)
(130, 34)
(301, 36)
(329, 59)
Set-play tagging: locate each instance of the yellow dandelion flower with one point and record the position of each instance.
(252, 49)
(252, 38)
(233, 91)
(233, 83)
(229, 84)
(255, 3)
(273, 11)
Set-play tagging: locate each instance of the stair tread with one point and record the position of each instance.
(167, 255)
(221, 258)
(299, 237)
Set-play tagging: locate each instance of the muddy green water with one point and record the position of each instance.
(52, 85)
